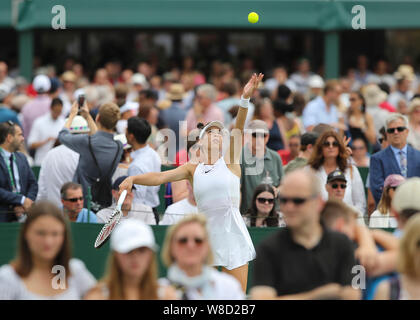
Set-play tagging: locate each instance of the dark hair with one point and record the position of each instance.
(67, 186)
(384, 87)
(6, 128)
(230, 88)
(360, 95)
(56, 102)
(283, 92)
(200, 125)
(149, 94)
(23, 262)
(306, 139)
(280, 106)
(272, 220)
(145, 110)
(140, 128)
(317, 157)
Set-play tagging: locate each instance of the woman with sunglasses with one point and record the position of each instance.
(330, 154)
(187, 254)
(382, 217)
(262, 212)
(360, 124)
(216, 185)
(360, 155)
(43, 268)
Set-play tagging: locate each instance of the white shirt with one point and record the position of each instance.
(43, 128)
(57, 168)
(138, 211)
(145, 160)
(177, 211)
(379, 220)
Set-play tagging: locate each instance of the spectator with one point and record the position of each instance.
(324, 109)
(127, 110)
(6, 113)
(413, 138)
(302, 75)
(360, 124)
(39, 106)
(307, 143)
(382, 217)
(125, 161)
(204, 109)
(18, 186)
(4, 78)
(178, 210)
(44, 242)
(129, 209)
(381, 74)
(360, 153)
(294, 146)
(259, 164)
(330, 154)
(374, 97)
(321, 259)
(67, 94)
(45, 131)
(72, 201)
(151, 114)
(99, 145)
(59, 166)
(398, 158)
(187, 254)
(285, 119)
(362, 73)
(262, 212)
(316, 86)
(132, 266)
(403, 91)
(145, 160)
(406, 285)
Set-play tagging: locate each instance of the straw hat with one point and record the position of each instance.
(176, 92)
(374, 96)
(405, 71)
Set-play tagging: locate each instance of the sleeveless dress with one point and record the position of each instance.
(217, 193)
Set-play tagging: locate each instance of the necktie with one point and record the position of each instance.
(403, 163)
(13, 172)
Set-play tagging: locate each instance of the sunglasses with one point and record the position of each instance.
(74, 199)
(392, 130)
(330, 144)
(264, 200)
(336, 185)
(296, 200)
(185, 240)
(254, 134)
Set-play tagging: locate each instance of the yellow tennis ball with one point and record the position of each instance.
(253, 17)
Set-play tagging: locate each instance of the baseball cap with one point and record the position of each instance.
(79, 125)
(336, 175)
(41, 83)
(139, 78)
(214, 123)
(407, 195)
(118, 181)
(393, 180)
(316, 81)
(131, 234)
(129, 106)
(4, 91)
(257, 126)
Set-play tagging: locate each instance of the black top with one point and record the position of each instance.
(291, 268)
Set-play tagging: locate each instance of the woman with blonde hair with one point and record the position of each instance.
(132, 266)
(406, 286)
(187, 254)
(414, 124)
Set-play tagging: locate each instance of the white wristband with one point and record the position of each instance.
(244, 102)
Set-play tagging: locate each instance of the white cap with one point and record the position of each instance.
(131, 234)
(128, 106)
(316, 81)
(41, 83)
(139, 78)
(79, 125)
(214, 123)
(4, 91)
(407, 195)
(121, 137)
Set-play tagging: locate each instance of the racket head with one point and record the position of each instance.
(107, 229)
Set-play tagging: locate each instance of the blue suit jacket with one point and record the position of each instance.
(28, 187)
(383, 163)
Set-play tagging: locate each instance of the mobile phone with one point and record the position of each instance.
(81, 100)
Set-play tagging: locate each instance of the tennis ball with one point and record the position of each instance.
(253, 17)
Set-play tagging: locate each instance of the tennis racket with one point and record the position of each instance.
(111, 223)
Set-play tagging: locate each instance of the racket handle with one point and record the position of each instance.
(121, 199)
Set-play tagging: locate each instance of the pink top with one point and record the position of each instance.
(35, 108)
(212, 113)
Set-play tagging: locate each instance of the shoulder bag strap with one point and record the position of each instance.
(94, 158)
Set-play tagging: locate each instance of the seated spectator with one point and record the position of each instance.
(72, 200)
(98, 151)
(187, 254)
(294, 146)
(304, 260)
(178, 210)
(263, 212)
(18, 186)
(132, 266)
(54, 171)
(406, 286)
(360, 153)
(6, 113)
(307, 143)
(382, 216)
(130, 209)
(44, 245)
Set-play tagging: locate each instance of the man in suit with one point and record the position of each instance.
(18, 186)
(397, 158)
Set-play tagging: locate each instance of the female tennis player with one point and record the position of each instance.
(216, 184)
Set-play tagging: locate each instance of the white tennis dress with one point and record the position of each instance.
(217, 193)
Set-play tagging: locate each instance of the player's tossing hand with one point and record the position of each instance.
(252, 85)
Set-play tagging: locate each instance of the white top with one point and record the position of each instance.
(355, 191)
(217, 193)
(177, 211)
(138, 211)
(145, 160)
(225, 287)
(57, 168)
(43, 128)
(379, 220)
(79, 283)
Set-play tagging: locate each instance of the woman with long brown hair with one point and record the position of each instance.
(330, 154)
(43, 268)
(359, 122)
